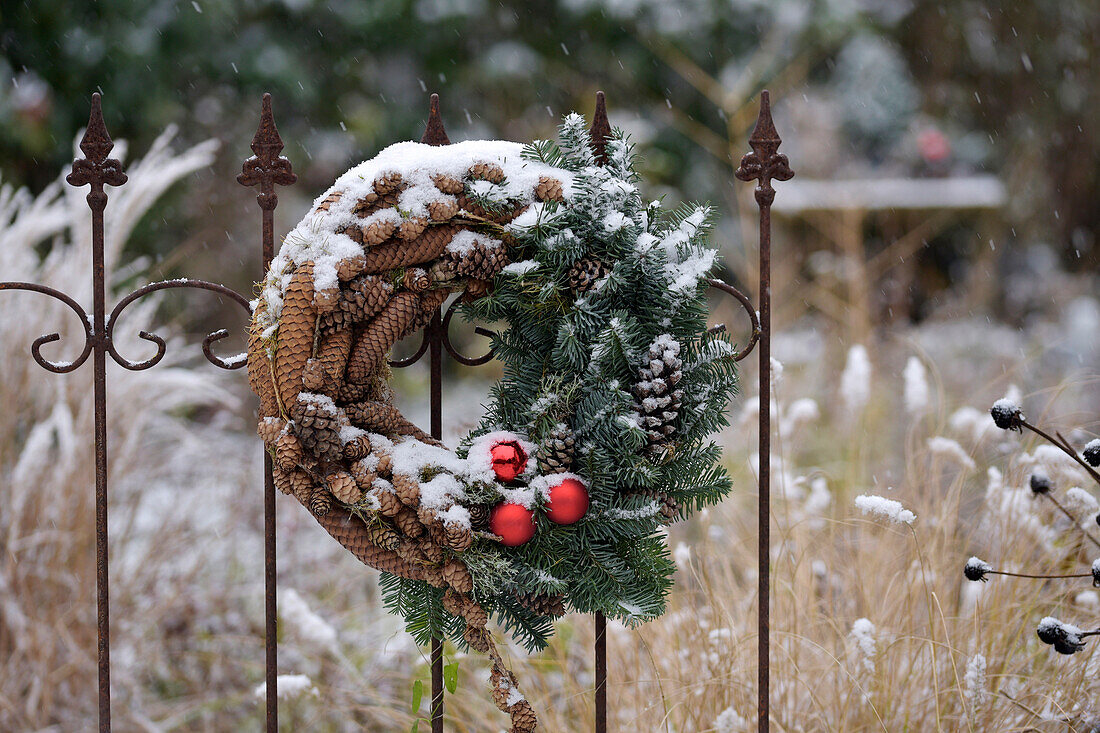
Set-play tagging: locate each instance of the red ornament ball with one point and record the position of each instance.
(514, 523)
(568, 502)
(509, 460)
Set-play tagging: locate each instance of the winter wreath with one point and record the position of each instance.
(595, 436)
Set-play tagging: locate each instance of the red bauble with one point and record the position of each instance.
(509, 460)
(568, 502)
(514, 523)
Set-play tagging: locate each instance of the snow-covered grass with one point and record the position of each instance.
(874, 625)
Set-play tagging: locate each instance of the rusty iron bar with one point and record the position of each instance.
(266, 168)
(763, 165)
(97, 170)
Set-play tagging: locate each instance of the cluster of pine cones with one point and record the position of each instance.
(322, 378)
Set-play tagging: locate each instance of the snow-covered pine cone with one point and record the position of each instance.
(555, 454)
(483, 260)
(656, 394)
(585, 273)
(362, 299)
(549, 189)
(544, 604)
(318, 427)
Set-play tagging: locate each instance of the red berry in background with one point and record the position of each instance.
(934, 145)
(514, 524)
(509, 460)
(568, 502)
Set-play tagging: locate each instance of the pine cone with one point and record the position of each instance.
(269, 429)
(585, 273)
(350, 267)
(314, 377)
(374, 342)
(479, 517)
(657, 398)
(555, 455)
(407, 489)
(360, 301)
(318, 428)
(331, 199)
(442, 271)
(443, 210)
(378, 417)
(426, 247)
(388, 503)
(670, 508)
(429, 302)
(301, 485)
(357, 448)
(383, 535)
(416, 279)
(343, 487)
(432, 551)
(259, 367)
(320, 501)
(544, 604)
(448, 185)
(481, 261)
(407, 521)
(457, 576)
(374, 234)
(410, 229)
(457, 537)
(363, 475)
(549, 189)
(295, 340)
(332, 356)
(283, 480)
(477, 638)
(523, 717)
(486, 172)
(325, 300)
(288, 451)
(388, 183)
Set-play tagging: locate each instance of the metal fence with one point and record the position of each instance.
(267, 168)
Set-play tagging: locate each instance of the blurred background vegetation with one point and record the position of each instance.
(864, 89)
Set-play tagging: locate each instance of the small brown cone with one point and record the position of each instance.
(457, 538)
(333, 355)
(549, 189)
(357, 448)
(314, 378)
(585, 273)
(433, 574)
(475, 615)
(295, 340)
(429, 302)
(477, 638)
(388, 183)
(454, 603)
(433, 552)
(343, 487)
(523, 717)
(350, 267)
(486, 172)
(301, 485)
(407, 489)
(407, 521)
(416, 279)
(482, 261)
(361, 300)
(325, 300)
(269, 429)
(383, 535)
(320, 501)
(363, 475)
(443, 209)
(426, 247)
(288, 451)
(371, 346)
(447, 184)
(555, 453)
(331, 199)
(259, 367)
(457, 576)
(282, 480)
(410, 229)
(317, 426)
(374, 234)
(544, 604)
(378, 417)
(479, 517)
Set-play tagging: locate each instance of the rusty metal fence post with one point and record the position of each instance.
(268, 168)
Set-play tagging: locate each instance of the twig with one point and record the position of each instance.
(1064, 446)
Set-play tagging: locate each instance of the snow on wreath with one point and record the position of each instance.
(595, 436)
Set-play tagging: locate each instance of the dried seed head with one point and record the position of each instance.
(1040, 483)
(1006, 415)
(1091, 454)
(976, 569)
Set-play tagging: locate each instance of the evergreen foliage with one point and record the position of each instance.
(574, 358)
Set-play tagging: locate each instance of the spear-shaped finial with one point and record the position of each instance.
(764, 163)
(434, 134)
(95, 167)
(267, 168)
(600, 131)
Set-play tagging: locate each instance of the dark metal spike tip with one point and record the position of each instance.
(434, 133)
(765, 131)
(96, 143)
(267, 140)
(600, 131)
